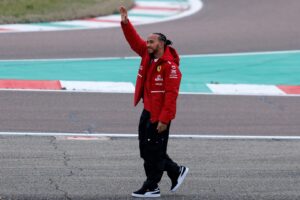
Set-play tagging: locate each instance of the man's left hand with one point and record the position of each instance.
(161, 127)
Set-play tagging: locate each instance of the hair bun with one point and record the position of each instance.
(163, 38)
(169, 42)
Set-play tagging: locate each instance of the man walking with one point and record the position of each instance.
(158, 82)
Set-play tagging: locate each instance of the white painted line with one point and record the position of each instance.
(161, 4)
(71, 59)
(259, 95)
(47, 134)
(107, 87)
(82, 138)
(153, 12)
(136, 57)
(242, 54)
(87, 24)
(237, 137)
(245, 89)
(126, 135)
(27, 28)
(61, 91)
(181, 93)
(132, 18)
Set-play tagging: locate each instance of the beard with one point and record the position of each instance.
(152, 51)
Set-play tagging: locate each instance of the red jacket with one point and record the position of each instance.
(164, 81)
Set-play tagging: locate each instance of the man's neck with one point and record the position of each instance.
(158, 54)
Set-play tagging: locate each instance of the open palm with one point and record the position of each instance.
(124, 15)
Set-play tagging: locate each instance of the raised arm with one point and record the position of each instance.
(135, 41)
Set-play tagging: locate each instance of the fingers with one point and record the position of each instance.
(123, 10)
(161, 127)
(159, 130)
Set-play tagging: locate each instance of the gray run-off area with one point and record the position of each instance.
(110, 168)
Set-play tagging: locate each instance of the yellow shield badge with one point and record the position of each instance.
(158, 68)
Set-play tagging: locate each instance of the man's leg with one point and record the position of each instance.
(176, 173)
(169, 165)
(156, 159)
(149, 188)
(143, 143)
(153, 149)
(145, 117)
(153, 157)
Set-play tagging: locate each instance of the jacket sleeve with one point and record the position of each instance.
(136, 43)
(172, 78)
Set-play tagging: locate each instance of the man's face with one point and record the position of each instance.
(153, 43)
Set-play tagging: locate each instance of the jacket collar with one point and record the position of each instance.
(171, 55)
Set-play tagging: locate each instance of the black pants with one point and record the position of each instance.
(153, 149)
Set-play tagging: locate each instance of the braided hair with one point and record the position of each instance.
(164, 39)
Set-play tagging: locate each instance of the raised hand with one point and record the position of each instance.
(124, 15)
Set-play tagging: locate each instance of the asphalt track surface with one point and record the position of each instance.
(220, 27)
(114, 113)
(54, 168)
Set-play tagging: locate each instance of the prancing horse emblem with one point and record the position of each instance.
(158, 68)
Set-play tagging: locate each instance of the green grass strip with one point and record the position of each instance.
(26, 11)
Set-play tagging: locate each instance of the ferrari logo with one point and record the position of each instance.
(158, 68)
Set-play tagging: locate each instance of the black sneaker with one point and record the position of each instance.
(145, 192)
(176, 182)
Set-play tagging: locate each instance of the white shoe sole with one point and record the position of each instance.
(145, 195)
(180, 180)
